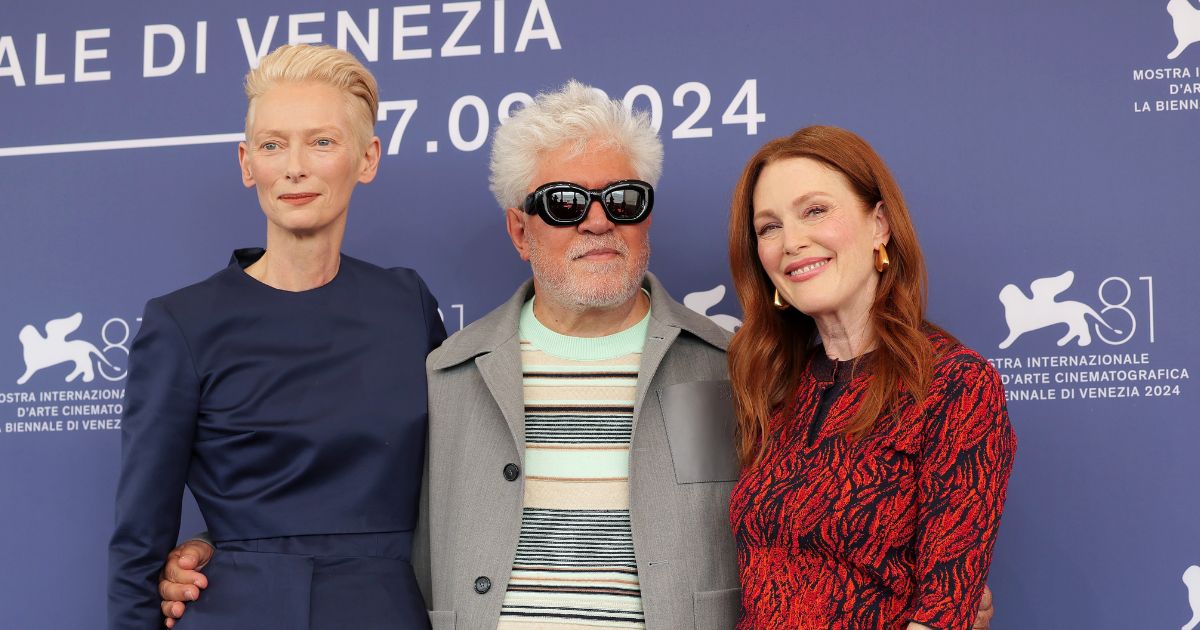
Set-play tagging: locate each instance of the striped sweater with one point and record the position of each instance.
(575, 566)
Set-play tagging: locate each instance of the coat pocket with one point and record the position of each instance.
(442, 619)
(718, 610)
(699, 419)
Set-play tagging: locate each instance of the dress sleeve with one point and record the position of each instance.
(433, 319)
(963, 477)
(421, 561)
(157, 428)
(421, 557)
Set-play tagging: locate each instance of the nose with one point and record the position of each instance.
(297, 168)
(794, 239)
(595, 222)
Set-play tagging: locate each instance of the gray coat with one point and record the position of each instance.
(682, 468)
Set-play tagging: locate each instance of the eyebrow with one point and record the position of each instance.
(806, 197)
(601, 187)
(305, 132)
(798, 202)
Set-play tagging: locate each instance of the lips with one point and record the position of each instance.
(806, 268)
(298, 199)
(598, 253)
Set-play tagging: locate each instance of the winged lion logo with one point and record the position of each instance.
(1025, 314)
(54, 348)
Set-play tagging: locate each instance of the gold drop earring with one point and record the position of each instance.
(779, 303)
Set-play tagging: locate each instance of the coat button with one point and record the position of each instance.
(482, 584)
(511, 472)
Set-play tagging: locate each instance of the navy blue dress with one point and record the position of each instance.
(298, 421)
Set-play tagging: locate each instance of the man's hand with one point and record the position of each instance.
(181, 580)
(982, 618)
(985, 610)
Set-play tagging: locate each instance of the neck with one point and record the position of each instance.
(298, 262)
(590, 322)
(846, 336)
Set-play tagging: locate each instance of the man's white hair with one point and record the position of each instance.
(575, 115)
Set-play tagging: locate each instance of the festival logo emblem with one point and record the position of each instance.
(44, 408)
(1026, 314)
(702, 301)
(1191, 579)
(54, 348)
(1123, 322)
(1186, 22)
(1169, 89)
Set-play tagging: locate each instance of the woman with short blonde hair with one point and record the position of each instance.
(287, 391)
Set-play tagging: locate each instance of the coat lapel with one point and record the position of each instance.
(659, 337)
(667, 319)
(493, 345)
(501, 371)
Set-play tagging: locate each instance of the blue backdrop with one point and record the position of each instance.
(1030, 138)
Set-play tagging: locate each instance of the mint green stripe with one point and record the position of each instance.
(594, 382)
(628, 341)
(620, 368)
(577, 463)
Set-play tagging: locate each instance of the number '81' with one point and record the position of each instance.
(1115, 293)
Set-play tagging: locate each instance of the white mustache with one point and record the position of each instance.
(600, 242)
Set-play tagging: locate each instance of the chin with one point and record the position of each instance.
(605, 267)
(809, 307)
(303, 222)
(603, 293)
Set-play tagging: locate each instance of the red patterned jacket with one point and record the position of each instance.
(895, 527)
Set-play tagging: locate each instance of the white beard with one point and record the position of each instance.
(580, 285)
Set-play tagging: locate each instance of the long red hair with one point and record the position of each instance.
(770, 350)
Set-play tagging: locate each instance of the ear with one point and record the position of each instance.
(883, 231)
(370, 161)
(244, 164)
(515, 219)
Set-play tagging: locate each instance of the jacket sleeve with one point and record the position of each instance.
(161, 404)
(964, 469)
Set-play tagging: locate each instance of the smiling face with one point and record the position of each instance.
(595, 264)
(816, 239)
(303, 157)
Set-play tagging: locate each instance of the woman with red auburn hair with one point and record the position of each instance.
(875, 447)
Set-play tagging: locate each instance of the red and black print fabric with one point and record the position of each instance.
(894, 527)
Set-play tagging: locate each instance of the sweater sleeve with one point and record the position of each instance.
(965, 464)
(157, 429)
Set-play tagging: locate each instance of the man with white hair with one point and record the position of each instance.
(580, 448)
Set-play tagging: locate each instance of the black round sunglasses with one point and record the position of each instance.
(564, 203)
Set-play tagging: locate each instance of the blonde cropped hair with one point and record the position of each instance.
(574, 115)
(322, 64)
